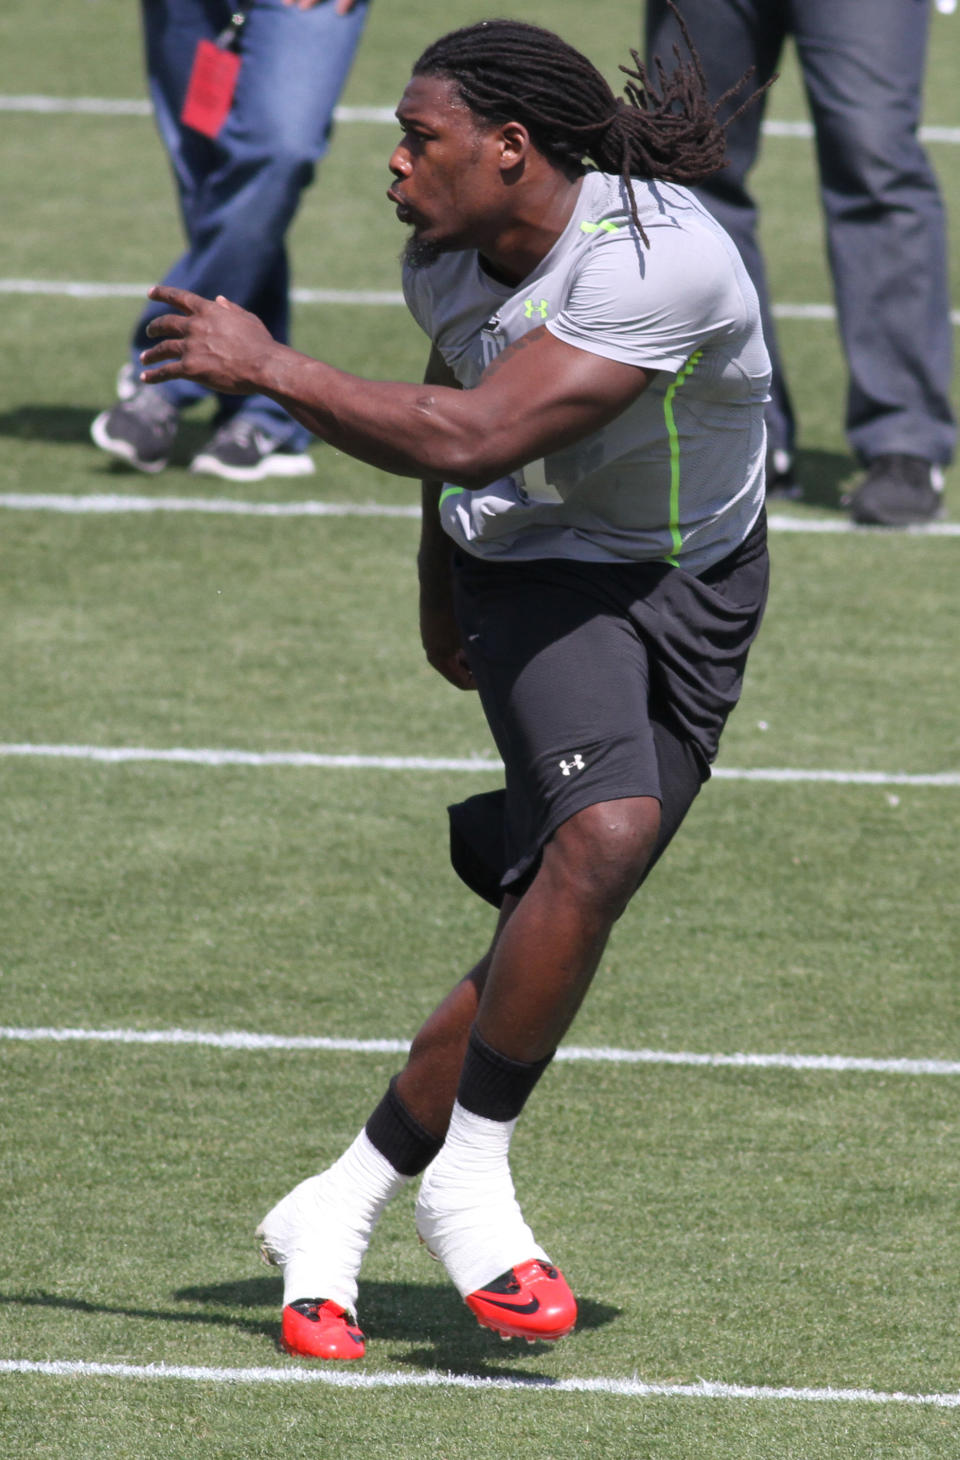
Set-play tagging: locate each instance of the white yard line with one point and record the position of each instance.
(310, 760)
(104, 106)
(434, 1379)
(781, 522)
(305, 760)
(105, 503)
(92, 289)
(246, 1041)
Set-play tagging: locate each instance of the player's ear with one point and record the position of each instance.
(515, 145)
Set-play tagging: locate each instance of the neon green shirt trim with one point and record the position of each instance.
(674, 528)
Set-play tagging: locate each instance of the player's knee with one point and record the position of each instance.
(602, 852)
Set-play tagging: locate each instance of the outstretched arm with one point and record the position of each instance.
(538, 396)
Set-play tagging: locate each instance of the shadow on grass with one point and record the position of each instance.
(824, 475)
(259, 1328)
(59, 425)
(430, 1314)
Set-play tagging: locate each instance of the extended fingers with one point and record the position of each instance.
(168, 326)
(181, 299)
(167, 350)
(157, 376)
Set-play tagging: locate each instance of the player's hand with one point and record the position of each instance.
(440, 637)
(211, 341)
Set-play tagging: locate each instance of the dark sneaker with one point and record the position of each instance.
(242, 452)
(781, 477)
(897, 491)
(314, 1328)
(530, 1301)
(139, 431)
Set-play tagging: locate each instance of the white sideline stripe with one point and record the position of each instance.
(804, 130)
(836, 778)
(89, 289)
(198, 1037)
(103, 106)
(304, 759)
(823, 311)
(780, 522)
(242, 1040)
(434, 1379)
(225, 507)
(105, 502)
(81, 289)
(122, 754)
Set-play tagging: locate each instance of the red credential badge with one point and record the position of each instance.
(213, 81)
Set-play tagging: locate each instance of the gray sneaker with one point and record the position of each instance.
(898, 491)
(139, 431)
(241, 451)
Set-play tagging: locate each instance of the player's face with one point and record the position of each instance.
(446, 169)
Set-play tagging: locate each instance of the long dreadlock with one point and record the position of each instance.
(667, 127)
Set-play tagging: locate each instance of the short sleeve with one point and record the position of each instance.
(650, 307)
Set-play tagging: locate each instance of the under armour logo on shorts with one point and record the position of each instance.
(569, 766)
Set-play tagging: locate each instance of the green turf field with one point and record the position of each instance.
(786, 1233)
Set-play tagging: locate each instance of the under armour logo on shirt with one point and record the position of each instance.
(569, 766)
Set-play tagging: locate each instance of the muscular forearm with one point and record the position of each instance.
(409, 430)
(536, 397)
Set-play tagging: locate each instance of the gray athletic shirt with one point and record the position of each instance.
(678, 476)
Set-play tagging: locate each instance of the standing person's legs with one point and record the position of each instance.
(141, 428)
(172, 30)
(863, 64)
(294, 66)
(238, 193)
(730, 37)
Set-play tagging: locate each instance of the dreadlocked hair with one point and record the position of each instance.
(666, 128)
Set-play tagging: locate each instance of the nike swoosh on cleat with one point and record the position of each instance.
(532, 1307)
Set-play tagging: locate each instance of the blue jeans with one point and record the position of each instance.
(238, 193)
(863, 63)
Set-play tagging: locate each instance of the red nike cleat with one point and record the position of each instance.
(315, 1328)
(530, 1301)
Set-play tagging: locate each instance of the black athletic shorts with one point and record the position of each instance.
(599, 681)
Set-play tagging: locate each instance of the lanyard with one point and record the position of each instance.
(227, 39)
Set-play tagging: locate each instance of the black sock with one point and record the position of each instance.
(492, 1084)
(399, 1136)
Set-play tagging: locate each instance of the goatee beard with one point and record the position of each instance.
(419, 253)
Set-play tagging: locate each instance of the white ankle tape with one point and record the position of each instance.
(467, 1212)
(318, 1233)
